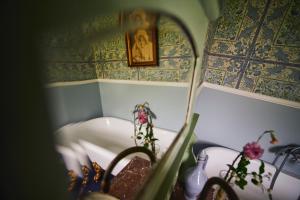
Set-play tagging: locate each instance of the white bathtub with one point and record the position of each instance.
(101, 139)
(286, 187)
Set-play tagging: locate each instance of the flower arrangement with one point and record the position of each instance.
(239, 172)
(143, 118)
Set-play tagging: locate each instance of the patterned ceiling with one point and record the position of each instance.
(255, 46)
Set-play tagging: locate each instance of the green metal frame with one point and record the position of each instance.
(163, 178)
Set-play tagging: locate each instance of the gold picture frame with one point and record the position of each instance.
(141, 43)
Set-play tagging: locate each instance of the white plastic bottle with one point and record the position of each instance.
(195, 178)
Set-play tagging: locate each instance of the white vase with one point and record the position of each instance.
(195, 178)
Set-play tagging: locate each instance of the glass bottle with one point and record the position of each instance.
(195, 178)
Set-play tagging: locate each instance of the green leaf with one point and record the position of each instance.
(262, 167)
(254, 181)
(247, 162)
(244, 170)
(241, 183)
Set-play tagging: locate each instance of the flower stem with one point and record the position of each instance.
(260, 137)
(269, 131)
(135, 135)
(231, 176)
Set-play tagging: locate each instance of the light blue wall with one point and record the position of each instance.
(231, 120)
(74, 103)
(167, 102)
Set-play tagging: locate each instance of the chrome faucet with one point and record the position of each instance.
(291, 149)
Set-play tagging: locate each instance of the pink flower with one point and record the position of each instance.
(253, 150)
(142, 117)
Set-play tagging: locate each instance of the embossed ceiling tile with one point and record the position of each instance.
(228, 64)
(248, 82)
(251, 76)
(175, 51)
(253, 15)
(99, 70)
(175, 63)
(254, 69)
(274, 18)
(237, 48)
(166, 24)
(170, 37)
(172, 40)
(164, 21)
(186, 69)
(114, 42)
(59, 72)
(210, 34)
(113, 54)
(214, 76)
(88, 71)
(96, 53)
(130, 74)
(185, 75)
(82, 72)
(285, 54)
(267, 46)
(204, 66)
(281, 72)
(228, 24)
(70, 54)
(114, 48)
(168, 64)
(289, 34)
(99, 24)
(115, 65)
(52, 72)
(62, 38)
(235, 31)
(273, 71)
(147, 74)
(216, 62)
(231, 79)
(278, 89)
(186, 63)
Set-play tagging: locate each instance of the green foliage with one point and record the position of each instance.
(241, 183)
(262, 167)
(240, 172)
(146, 137)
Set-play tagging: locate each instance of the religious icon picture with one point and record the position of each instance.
(141, 43)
